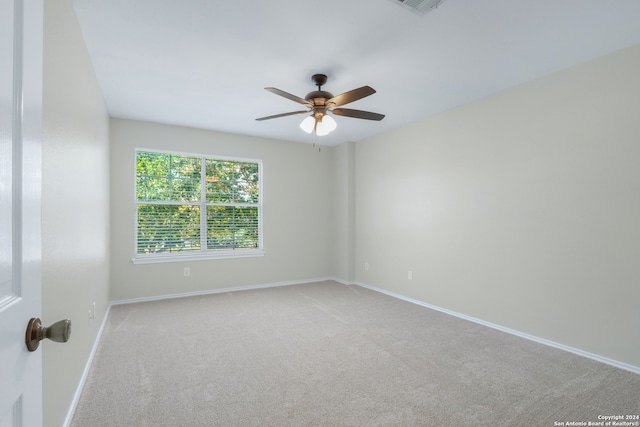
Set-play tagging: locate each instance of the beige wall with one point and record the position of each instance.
(297, 213)
(521, 209)
(75, 205)
(343, 201)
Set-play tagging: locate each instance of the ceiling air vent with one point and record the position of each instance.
(421, 7)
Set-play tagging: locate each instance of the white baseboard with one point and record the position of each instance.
(224, 290)
(85, 373)
(596, 357)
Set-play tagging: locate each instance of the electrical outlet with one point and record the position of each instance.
(410, 275)
(187, 272)
(366, 265)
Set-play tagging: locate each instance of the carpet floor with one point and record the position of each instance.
(326, 354)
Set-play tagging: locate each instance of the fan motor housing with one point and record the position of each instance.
(318, 94)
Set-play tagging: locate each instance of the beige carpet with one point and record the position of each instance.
(325, 354)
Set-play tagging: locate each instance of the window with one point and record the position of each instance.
(196, 207)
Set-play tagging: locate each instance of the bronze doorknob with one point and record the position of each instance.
(59, 332)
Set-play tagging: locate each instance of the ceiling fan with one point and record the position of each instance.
(321, 102)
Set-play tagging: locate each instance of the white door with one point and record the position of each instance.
(20, 170)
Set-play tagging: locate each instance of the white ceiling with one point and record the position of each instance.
(205, 63)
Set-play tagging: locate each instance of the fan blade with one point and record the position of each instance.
(358, 114)
(288, 96)
(352, 95)
(283, 115)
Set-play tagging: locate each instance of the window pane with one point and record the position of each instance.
(247, 189)
(167, 177)
(219, 191)
(232, 182)
(231, 227)
(168, 228)
(220, 177)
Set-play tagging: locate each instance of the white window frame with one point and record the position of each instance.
(203, 253)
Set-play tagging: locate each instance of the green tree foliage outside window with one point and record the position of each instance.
(189, 203)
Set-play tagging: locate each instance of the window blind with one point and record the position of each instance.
(196, 204)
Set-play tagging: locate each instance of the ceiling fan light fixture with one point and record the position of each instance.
(308, 124)
(321, 131)
(325, 125)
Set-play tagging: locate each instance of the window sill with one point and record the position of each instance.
(154, 259)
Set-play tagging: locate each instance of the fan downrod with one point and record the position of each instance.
(319, 97)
